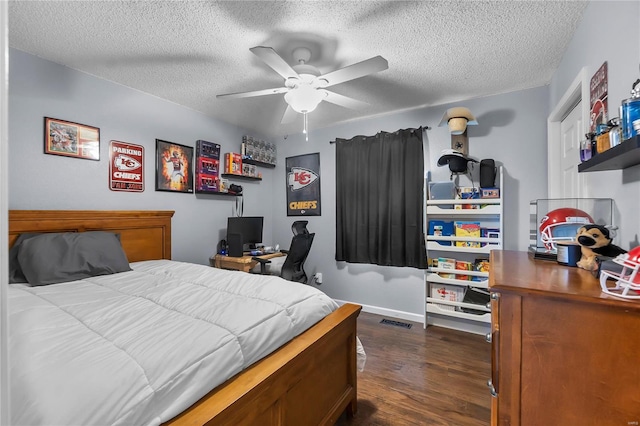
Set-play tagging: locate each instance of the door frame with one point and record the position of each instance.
(578, 91)
(4, 209)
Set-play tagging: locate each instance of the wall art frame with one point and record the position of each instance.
(70, 139)
(303, 185)
(126, 167)
(174, 167)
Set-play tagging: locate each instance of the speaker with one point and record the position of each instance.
(235, 245)
(222, 247)
(488, 172)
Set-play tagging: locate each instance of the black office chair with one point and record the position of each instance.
(293, 266)
(299, 227)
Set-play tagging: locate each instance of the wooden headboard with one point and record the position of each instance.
(145, 235)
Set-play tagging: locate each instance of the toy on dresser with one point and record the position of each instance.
(595, 240)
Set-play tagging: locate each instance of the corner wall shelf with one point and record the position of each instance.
(619, 157)
(235, 176)
(257, 163)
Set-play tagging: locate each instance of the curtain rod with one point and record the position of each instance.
(423, 128)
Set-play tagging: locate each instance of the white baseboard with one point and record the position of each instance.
(407, 316)
(434, 320)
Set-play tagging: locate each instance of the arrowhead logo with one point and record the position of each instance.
(299, 178)
(125, 163)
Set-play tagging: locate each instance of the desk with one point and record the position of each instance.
(244, 263)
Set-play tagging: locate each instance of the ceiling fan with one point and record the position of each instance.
(304, 85)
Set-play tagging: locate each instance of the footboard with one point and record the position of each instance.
(309, 381)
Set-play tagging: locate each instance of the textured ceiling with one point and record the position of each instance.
(190, 51)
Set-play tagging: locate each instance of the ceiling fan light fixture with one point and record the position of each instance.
(304, 84)
(304, 98)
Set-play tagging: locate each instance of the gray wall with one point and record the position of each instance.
(512, 131)
(39, 88)
(616, 41)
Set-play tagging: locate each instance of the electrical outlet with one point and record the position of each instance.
(318, 277)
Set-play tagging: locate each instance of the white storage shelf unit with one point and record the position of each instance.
(489, 213)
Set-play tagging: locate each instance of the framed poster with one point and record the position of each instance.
(71, 139)
(126, 162)
(174, 167)
(599, 89)
(207, 167)
(303, 185)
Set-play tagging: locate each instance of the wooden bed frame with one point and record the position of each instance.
(309, 381)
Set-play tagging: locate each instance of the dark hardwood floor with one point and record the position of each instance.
(415, 376)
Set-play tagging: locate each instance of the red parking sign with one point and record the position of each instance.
(126, 167)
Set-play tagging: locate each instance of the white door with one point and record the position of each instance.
(570, 182)
(565, 128)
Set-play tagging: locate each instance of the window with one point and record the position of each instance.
(379, 206)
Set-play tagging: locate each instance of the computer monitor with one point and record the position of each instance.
(249, 227)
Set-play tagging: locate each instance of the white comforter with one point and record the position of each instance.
(139, 347)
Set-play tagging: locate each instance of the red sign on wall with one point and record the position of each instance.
(599, 90)
(126, 167)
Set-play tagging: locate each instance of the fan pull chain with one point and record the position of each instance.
(304, 130)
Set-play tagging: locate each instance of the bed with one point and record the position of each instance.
(309, 380)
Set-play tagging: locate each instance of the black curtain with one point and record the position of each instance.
(379, 208)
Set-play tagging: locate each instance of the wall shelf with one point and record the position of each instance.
(619, 157)
(440, 308)
(257, 163)
(219, 193)
(244, 177)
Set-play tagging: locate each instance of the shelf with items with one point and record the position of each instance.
(626, 154)
(491, 206)
(228, 194)
(447, 305)
(238, 176)
(483, 278)
(456, 287)
(257, 163)
(481, 241)
(440, 308)
(460, 234)
(431, 246)
(258, 152)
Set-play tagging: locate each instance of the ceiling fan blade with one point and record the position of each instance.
(289, 115)
(254, 93)
(275, 61)
(344, 101)
(351, 72)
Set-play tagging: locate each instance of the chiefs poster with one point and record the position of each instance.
(126, 167)
(303, 185)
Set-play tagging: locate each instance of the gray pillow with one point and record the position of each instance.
(15, 271)
(61, 257)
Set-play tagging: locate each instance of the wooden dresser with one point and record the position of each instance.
(563, 352)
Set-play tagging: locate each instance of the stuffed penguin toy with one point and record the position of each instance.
(595, 240)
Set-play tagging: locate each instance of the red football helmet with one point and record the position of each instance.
(562, 225)
(627, 281)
